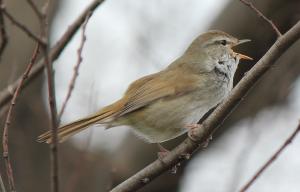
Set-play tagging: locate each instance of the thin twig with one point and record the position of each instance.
(210, 125)
(54, 122)
(3, 33)
(76, 68)
(35, 9)
(9, 171)
(271, 159)
(2, 187)
(21, 26)
(260, 14)
(6, 93)
(52, 103)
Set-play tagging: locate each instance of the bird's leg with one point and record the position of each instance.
(162, 151)
(191, 128)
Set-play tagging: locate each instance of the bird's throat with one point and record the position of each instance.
(222, 74)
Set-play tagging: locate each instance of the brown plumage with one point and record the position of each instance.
(139, 94)
(160, 105)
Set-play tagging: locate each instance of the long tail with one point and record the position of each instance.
(68, 130)
(105, 116)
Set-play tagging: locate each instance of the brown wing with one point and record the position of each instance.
(118, 108)
(157, 86)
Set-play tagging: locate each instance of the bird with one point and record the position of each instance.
(164, 105)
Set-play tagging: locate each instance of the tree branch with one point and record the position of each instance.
(3, 33)
(7, 93)
(52, 101)
(8, 166)
(260, 14)
(13, 90)
(271, 159)
(37, 12)
(21, 26)
(2, 187)
(209, 125)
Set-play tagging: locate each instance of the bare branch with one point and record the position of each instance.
(260, 14)
(271, 159)
(21, 26)
(210, 124)
(2, 187)
(54, 122)
(76, 68)
(35, 9)
(6, 93)
(9, 171)
(52, 102)
(2, 32)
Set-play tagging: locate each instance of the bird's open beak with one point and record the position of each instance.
(241, 41)
(241, 56)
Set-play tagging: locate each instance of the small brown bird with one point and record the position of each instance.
(161, 106)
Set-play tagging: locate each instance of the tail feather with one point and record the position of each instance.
(68, 130)
(104, 116)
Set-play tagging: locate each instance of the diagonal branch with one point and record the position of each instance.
(271, 160)
(7, 93)
(260, 14)
(209, 125)
(15, 88)
(2, 187)
(21, 26)
(37, 12)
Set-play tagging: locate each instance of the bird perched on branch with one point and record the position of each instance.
(164, 105)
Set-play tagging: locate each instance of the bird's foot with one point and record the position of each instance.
(193, 137)
(191, 132)
(162, 152)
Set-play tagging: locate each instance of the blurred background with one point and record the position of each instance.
(131, 38)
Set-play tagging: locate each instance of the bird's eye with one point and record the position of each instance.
(223, 42)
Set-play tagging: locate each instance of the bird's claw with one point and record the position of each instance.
(191, 128)
(164, 152)
(193, 137)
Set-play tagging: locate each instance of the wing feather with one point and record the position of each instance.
(158, 86)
